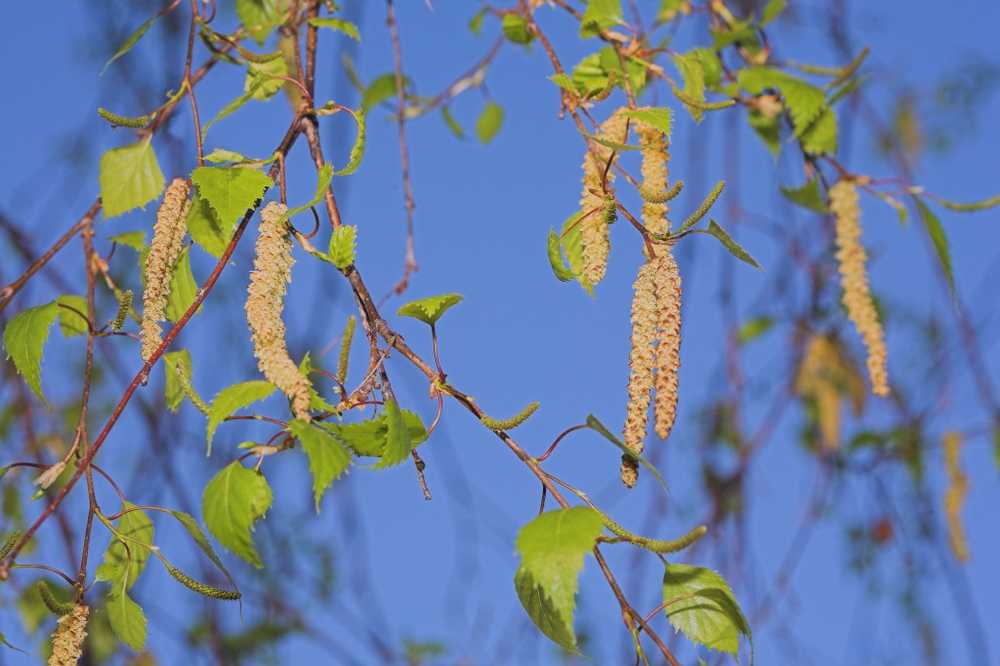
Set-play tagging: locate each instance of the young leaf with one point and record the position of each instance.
(699, 603)
(552, 547)
(323, 178)
(173, 392)
(562, 272)
(397, 437)
(659, 118)
(600, 15)
(805, 102)
(339, 25)
(230, 191)
(940, 241)
(430, 309)
(572, 246)
(358, 149)
(452, 124)
(689, 65)
(130, 177)
(259, 17)
(205, 229)
(820, 138)
(72, 315)
(233, 501)
(808, 196)
(768, 128)
(127, 620)
(183, 288)
(515, 28)
(132, 40)
(563, 81)
(489, 122)
(342, 244)
(594, 424)
(24, 341)
(265, 79)
(133, 239)
(381, 88)
(366, 438)
(728, 242)
(124, 561)
(772, 10)
(233, 398)
(328, 460)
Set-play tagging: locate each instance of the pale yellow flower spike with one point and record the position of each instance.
(594, 227)
(668, 351)
(272, 271)
(653, 144)
(67, 641)
(642, 359)
(954, 496)
(857, 295)
(164, 251)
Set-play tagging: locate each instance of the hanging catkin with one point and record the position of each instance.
(857, 295)
(67, 641)
(265, 301)
(642, 359)
(668, 351)
(594, 226)
(954, 496)
(164, 251)
(654, 146)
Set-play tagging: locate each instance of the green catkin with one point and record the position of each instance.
(185, 381)
(67, 641)
(124, 305)
(655, 196)
(655, 545)
(345, 349)
(8, 544)
(199, 587)
(54, 605)
(954, 497)
(706, 205)
(509, 424)
(135, 122)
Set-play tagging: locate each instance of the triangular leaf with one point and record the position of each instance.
(808, 196)
(342, 243)
(72, 315)
(230, 191)
(130, 177)
(233, 501)
(328, 460)
(699, 603)
(233, 398)
(430, 309)
(24, 341)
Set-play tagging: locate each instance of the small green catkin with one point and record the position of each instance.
(124, 305)
(8, 544)
(135, 122)
(345, 349)
(650, 195)
(509, 424)
(702, 210)
(655, 545)
(199, 587)
(49, 599)
(185, 381)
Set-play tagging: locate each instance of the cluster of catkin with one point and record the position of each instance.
(857, 298)
(164, 252)
(272, 271)
(67, 641)
(654, 359)
(598, 176)
(954, 496)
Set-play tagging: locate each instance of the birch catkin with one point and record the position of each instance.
(642, 359)
(653, 144)
(857, 295)
(668, 352)
(164, 251)
(265, 301)
(594, 226)
(954, 497)
(67, 641)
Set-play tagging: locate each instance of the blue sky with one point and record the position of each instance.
(442, 570)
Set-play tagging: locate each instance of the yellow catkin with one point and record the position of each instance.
(164, 251)
(67, 641)
(594, 227)
(668, 352)
(642, 359)
(857, 295)
(954, 496)
(653, 144)
(265, 301)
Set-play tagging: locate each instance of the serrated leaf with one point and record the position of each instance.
(316, 401)
(24, 340)
(430, 309)
(552, 547)
(452, 124)
(489, 122)
(515, 28)
(397, 437)
(342, 245)
(938, 238)
(127, 620)
(204, 227)
(562, 272)
(805, 102)
(699, 603)
(328, 460)
(339, 25)
(366, 438)
(820, 138)
(768, 129)
(262, 80)
(72, 315)
(660, 118)
(183, 288)
(358, 148)
(689, 65)
(594, 424)
(563, 81)
(233, 398)
(123, 562)
(808, 196)
(132, 40)
(323, 178)
(130, 177)
(381, 88)
(772, 10)
(194, 530)
(172, 392)
(572, 246)
(133, 239)
(233, 501)
(600, 15)
(230, 191)
(727, 241)
(259, 17)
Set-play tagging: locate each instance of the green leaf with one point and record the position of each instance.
(233, 398)
(572, 246)
(699, 603)
(940, 241)
(600, 15)
(316, 401)
(608, 143)
(194, 530)
(753, 329)
(340, 25)
(476, 22)
(670, 8)
(4, 642)
(595, 73)
(689, 65)
(452, 124)
(24, 341)
(430, 309)
(262, 80)
(183, 288)
(205, 229)
(259, 17)
(728, 242)
(594, 424)
(328, 460)
(808, 196)
(489, 122)
(358, 149)
(565, 82)
(133, 239)
(379, 90)
(323, 178)
(230, 191)
(805, 102)
(73, 321)
(368, 438)
(342, 245)
(552, 547)
(397, 437)
(233, 501)
(772, 10)
(660, 118)
(172, 391)
(515, 28)
(132, 40)
(127, 620)
(130, 177)
(562, 272)
(768, 129)
(124, 561)
(820, 138)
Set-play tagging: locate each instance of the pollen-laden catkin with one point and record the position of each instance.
(857, 295)
(653, 144)
(954, 496)
(594, 226)
(642, 360)
(164, 251)
(272, 271)
(67, 641)
(668, 352)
